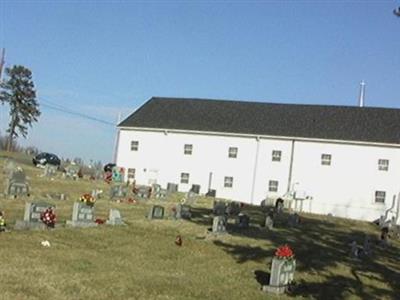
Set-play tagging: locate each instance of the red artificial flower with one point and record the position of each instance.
(100, 221)
(48, 217)
(131, 200)
(284, 252)
(178, 240)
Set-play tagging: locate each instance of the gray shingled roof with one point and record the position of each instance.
(349, 123)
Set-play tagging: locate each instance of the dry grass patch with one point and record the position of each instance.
(141, 261)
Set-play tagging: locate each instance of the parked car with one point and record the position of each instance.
(46, 158)
(108, 167)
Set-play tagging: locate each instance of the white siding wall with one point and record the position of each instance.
(165, 153)
(346, 188)
(272, 170)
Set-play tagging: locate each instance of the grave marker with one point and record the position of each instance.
(17, 185)
(9, 166)
(195, 189)
(144, 192)
(172, 187)
(82, 215)
(115, 217)
(233, 209)
(219, 225)
(211, 193)
(156, 212)
(182, 211)
(282, 274)
(71, 171)
(219, 208)
(269, 222)
(243, 221)
(190, 198)
(158, 191)
(117, 191)
(293, 220)
(32, 215)
(49, 170)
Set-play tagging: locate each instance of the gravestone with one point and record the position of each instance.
(9, 166)
(156, 212)
(367, 247)
(17, 185)
(355, 250)
(282, 274)
(269, 222)
(233, 209)
(32, 216)
(279, 206)
(118, 191)
(195, 189)
(190, 198)
(211, 193)
(118, 174)
(71, 172)
(219, 208)
(56, 196)
(50, 170)
(182, 211)
(158, 192)
(219, 225)
(293, 220)
(243, 221)
(115, 217)
(144, 192)
(172, 187)
(82, 215)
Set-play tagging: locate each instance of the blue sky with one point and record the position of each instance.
(102, 58)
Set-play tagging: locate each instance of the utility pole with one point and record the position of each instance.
(2, 61)
(116, 142)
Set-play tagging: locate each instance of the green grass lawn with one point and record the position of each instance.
(141, 260)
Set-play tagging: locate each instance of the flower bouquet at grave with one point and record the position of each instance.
(284, 252)
(87, 199)
(2, 222)
(48, 217)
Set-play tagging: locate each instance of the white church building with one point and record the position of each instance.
(346, 158)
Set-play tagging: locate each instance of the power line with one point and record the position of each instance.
(68, 111)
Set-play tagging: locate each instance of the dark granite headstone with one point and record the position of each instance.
(156, 212)
(219, 208)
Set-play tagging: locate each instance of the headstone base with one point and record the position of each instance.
(274, 289)
(111, 222)
(20, 225)
(81, 224)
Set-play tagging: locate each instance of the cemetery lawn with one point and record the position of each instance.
(141, 260)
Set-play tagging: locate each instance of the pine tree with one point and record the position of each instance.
(18, 91)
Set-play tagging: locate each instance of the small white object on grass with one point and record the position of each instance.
(45, 243)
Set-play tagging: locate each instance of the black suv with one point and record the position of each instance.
(46, 158)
